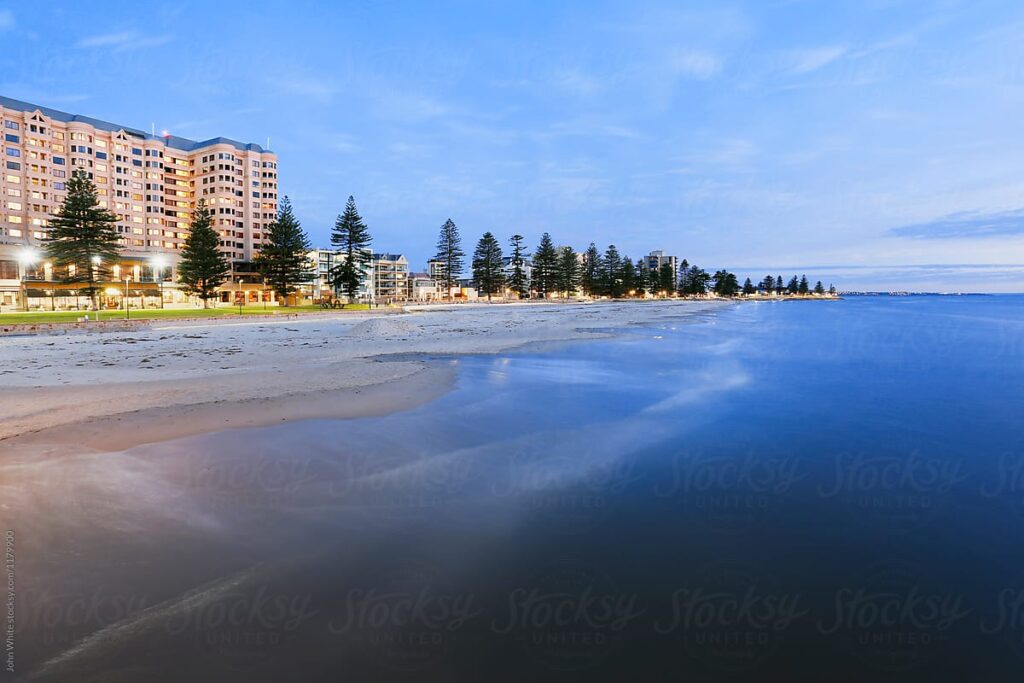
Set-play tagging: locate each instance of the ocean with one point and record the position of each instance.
(768, 491)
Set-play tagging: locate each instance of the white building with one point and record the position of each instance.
(422, 287)
(324, 263)
(390, 277)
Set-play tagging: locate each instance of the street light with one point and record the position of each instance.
(26, 258)
(127, 279)
(96, 261)
(158, 273)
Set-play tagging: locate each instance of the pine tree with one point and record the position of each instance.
(697, 281)
(518, 281)
(804, 287)
(642, 278)
(666, 278)
(568, 271)
(203, 267)
(748, 287)
(352, 237)
(589, 278)
(819, 289)
(627, 277)
(611, 273)
(487, 266)
(82, 239)
(832, 289)
(768, 284)
(545, 267)
(725, 283)
(794, 285)
(779, 287)
(450, 255)
(682, 286)
(284, 260)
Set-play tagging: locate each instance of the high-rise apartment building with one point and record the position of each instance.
(151, 182)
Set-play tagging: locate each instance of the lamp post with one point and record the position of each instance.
(26, 258)
(96, 267)
(127, 279)
(241, 296)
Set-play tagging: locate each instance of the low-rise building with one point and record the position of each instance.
(325, 262)
(422, 287)
(390, 277)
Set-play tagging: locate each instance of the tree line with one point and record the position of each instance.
(84, 243)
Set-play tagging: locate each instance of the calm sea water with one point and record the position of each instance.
(776, 491)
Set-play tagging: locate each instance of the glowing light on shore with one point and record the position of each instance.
(28, 256)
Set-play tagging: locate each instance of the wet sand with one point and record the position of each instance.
(116, 390)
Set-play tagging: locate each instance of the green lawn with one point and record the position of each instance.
(155, 313)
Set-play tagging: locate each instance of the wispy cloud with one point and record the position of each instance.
(6, 19)
(808, 60)
(966, 224)
(32, 93)
(346, 144)
(123, 40)
(734, 153)
(576, 81)
(399, 105)
(594, 129)
(303, 86)
(697, 64)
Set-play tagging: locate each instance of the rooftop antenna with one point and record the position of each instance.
(268, 142)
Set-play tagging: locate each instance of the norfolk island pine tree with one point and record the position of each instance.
(203, 267)
(82, 240)
(284, 258)
(450, 254)
(352, 237)
(487, 265)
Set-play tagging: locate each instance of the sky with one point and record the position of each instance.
(876, 144)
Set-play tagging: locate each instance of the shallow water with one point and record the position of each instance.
(808, 491)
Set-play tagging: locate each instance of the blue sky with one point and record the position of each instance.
(844, 140)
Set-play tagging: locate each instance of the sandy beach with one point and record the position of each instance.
(110, 391)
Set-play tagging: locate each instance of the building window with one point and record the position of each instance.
(13, 125)
(58, 160)
(13, 166)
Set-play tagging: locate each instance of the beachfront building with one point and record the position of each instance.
(435, 269)
(656, 259)
(151, 182)
(390, 277)
(422, 287)
(324, 261)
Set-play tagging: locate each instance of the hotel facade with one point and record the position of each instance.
(152, 183)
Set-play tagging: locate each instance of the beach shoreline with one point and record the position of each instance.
(171, 380)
